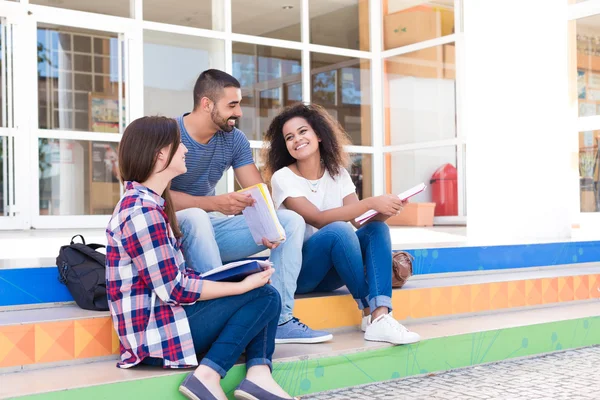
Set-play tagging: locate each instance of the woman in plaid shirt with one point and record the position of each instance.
(164, 313)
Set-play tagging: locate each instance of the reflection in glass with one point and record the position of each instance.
(343, 86)
(407, 168)
(407, 22)
(589, 165)
(78, 177)
(168, 82)
(340, 24)
(361, 172)
(206, 14)
(587, 42)
(78, 81)
(270, 77)
(274, 19)
(116, 8)
(420, 96)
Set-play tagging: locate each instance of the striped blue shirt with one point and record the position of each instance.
(206, 163)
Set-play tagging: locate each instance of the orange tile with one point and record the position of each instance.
(461, 299)
(595, 286)
(533, 291)
(17, 345)
(401, 303)
(565, 288)
(581, 283)
(328, 312)
(54, 341)
(517, 294)
(420, 303)
(93, 337)
(480, 297)
(549, 290)
(498, 295)
(441, 301)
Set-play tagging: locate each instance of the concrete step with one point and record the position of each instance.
(346, 361)
(63, 335)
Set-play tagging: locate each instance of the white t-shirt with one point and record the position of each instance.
(329, 193)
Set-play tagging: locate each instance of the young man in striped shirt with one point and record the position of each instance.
(215, 144)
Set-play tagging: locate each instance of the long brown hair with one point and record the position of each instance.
(328, 129)
(142, 140)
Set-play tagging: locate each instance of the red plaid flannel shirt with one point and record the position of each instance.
(147, 282)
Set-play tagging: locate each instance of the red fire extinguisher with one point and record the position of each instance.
(444, 191)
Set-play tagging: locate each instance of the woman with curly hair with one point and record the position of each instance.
(307, 161)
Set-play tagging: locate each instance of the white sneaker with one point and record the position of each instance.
(366, 321)
(386, 329)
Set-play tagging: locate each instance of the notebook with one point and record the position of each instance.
(236, 271)
(402, 196)
(261, 217)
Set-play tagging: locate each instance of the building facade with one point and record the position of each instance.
(409, 80)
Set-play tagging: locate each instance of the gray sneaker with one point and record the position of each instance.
(295, 331)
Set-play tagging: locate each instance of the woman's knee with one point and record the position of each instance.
(340, 227)
(378, 228)
(271, 298)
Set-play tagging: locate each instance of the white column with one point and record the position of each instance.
(520, 173)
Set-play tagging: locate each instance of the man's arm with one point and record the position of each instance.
(247, 175)
(183, 201)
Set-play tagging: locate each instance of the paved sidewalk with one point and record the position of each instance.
(571, 375)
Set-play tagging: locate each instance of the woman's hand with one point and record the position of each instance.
(257, 280)
(387, 204)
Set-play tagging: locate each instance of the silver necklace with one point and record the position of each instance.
(312, 186)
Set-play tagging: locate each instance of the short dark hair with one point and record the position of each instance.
(211, 83)
(328, 129)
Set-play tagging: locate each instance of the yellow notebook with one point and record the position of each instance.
(261, 217)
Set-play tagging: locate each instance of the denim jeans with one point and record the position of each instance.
(223, 328)
(210, 240)
(336, 255)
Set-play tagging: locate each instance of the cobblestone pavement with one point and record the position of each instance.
(571, 375)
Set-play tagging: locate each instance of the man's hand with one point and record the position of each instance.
(269, 245)
(233, 203)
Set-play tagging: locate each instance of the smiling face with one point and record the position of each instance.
(300, 139)
(227, 110)
(177, 165)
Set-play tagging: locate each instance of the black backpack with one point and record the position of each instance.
(83, 269)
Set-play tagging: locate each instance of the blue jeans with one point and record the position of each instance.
(336, 255)
(210, 240)
(223, 328)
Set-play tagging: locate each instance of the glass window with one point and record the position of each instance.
(78, 177)
(340, 24)
(206, 14)
(407, 21)
(589, 164)
(3, 176)
(169, 82)
(119, 8)
(343, 86)
(435, 167)
(420, 101)
(271, 77)
(588, 65)
(78, 80)
(361, 172)
(278, 20)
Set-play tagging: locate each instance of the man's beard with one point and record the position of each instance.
(222, 122)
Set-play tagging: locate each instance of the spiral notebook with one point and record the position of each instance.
(261, 217)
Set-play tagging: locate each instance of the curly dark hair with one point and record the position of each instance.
(328, 129)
